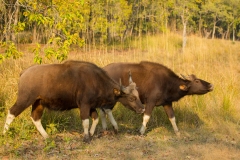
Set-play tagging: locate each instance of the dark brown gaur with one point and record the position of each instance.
(157, 86)
(73, 84)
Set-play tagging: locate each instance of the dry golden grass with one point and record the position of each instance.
(209, 124)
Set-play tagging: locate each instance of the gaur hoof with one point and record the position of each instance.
(115, 131)
(102, 133)
(86, 139)
(141, 133)
(178, 134)
(107, 133)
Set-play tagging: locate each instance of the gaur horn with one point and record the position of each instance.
(121, 86)
(130, 77)
(184, 77)
(120, 83)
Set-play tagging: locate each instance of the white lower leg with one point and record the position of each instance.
(85, 124)
(93, 127)
(175, 128)
(111, 118)
(40, 128)
(144, 124)
(9, 119)
(103, 119)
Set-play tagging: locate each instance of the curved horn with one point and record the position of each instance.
(183, 76)
(120, 82)
(186, 78)
(122, 88)
(189, 77)
(130, 77)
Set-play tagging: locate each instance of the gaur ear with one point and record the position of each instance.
(117, 92)
(183, 87)
(192, 77)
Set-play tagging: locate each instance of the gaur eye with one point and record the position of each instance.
(197, 81)
(131, 99)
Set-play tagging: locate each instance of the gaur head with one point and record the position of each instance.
(129, 96)
(194, 85)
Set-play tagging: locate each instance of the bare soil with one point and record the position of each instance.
(158, 143)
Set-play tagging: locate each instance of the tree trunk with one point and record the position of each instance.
(17, 8)
(224, 35)
(7, 23)
(9, 18)
(6, 35)
(184, 22)
(200, 26)
(140, 27)
(214, 28)
(227, 32)
(206, 33)
(132, 21)
(233, 33)
(34, 36)
(184, 36)
(173, 23)
(2, 13)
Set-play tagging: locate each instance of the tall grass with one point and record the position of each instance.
(216, 61)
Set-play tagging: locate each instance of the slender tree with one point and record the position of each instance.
(186, 9)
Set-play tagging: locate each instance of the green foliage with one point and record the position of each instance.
(37, 57)
(52, 128)
(67, 139)
(12, 132)
(62, 19)
(49, 144)
(19, 27)
(58, 121)
(10, 51)
(227, 110)
(62, 24)
(38, 18)
(59, 49)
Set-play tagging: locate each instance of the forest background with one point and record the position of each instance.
(90, 23)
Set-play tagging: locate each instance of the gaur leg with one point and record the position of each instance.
(15, 110)
(111, 118)
(170, 113)
(9, 120)
(146, 117)
(84, 114)
(103, 119)
(94, 115)
(37, 111)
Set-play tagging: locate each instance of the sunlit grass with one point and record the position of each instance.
(216, 61)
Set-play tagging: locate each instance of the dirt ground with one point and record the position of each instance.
(156, 144)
